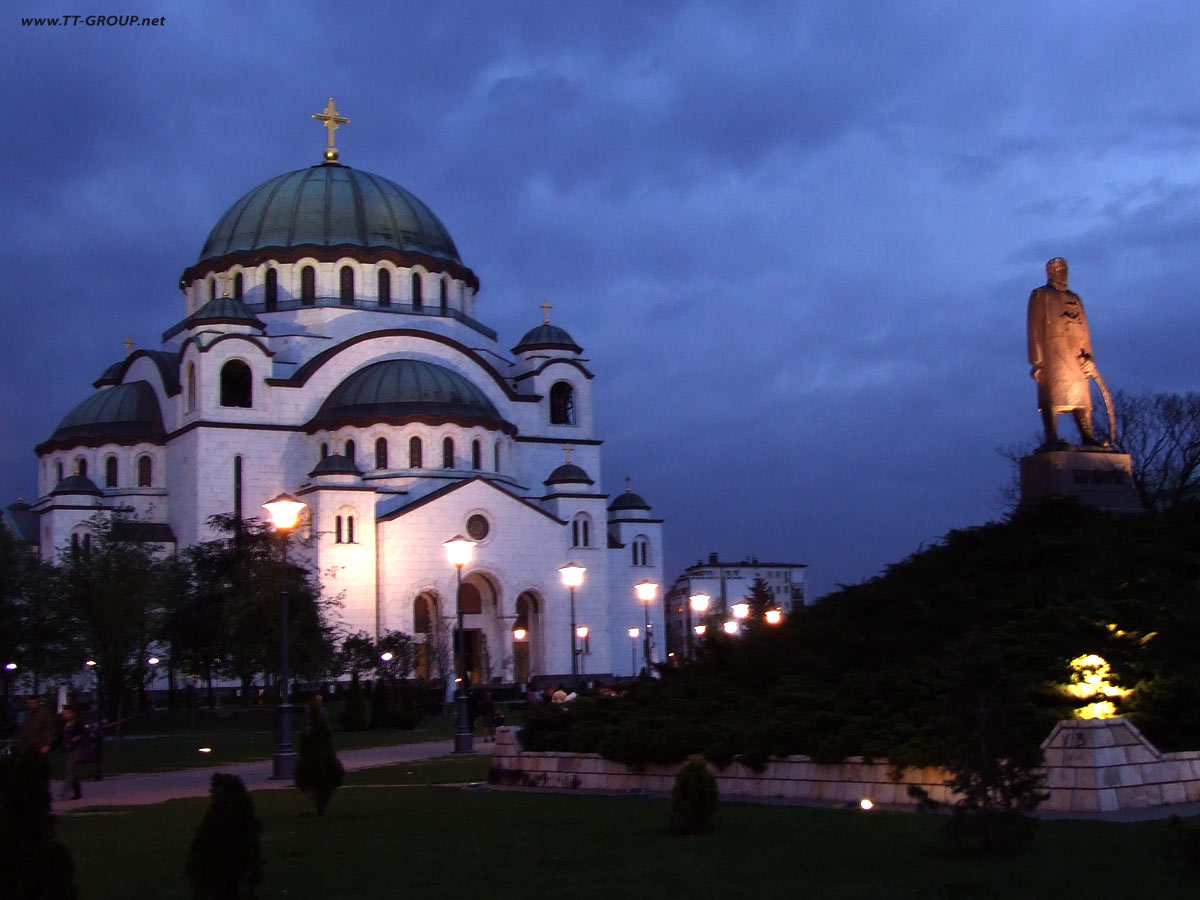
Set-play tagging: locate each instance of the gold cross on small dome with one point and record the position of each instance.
(568, 448)
(331, 119)
(546, 307)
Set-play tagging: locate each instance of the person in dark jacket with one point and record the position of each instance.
(75, 740)
(37, 731)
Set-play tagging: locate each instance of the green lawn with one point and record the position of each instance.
(388, 834)
(160, 741)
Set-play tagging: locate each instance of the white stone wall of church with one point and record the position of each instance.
(626, 610)
(346, 570)
(523, 551)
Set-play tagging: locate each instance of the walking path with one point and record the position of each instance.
(155, 787)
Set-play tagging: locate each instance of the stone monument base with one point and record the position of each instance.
(1094, 476)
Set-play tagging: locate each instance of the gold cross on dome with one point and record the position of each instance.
(628, 484)
(546, 307)
(128, 342)
(331, 119)
(568, 448)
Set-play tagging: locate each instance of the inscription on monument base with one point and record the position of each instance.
(1096, 477)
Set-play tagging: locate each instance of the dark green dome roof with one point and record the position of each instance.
(77, 484)
(628, 500)
(125, 414)
(327, 206)
(224, 311)
(405, 390)
(335, 464)
(547, 337)
(568, 473)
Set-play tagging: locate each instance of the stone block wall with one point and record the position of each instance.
(1092, 767)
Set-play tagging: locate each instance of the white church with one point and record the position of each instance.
(330, 348)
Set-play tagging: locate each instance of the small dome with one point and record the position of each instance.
(628, 500)
(335, 464)
(547, 337)
(404, 390)
(568, 473)
(329, 205)
(77, 484)
(224, 311)
(127, 413)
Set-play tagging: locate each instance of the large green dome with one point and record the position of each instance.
(125, 414)
(329, 206)
(396, 391)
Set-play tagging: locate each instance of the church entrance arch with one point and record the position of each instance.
(483, 651)
(527, 638)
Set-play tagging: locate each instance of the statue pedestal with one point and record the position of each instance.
(1094, 476)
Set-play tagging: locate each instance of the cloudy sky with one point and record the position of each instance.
(795, 239)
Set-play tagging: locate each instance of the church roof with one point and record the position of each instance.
(568, 473)
(547, 337)
(402, 390)
(628, 500)
(127, 413)
(335, 464)
(77, 484)
(166, 361)
(224, 311)
(329, 205)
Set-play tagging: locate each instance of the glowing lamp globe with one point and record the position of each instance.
(284, 510)
(572, 575)
(699, 602)
(774, 616)
(731, 627)
(634, 632)
(581, 632)
(646, 591)
(459, 550)
(519, 633)
(740, 610)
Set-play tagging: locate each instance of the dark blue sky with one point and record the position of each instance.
(796, 241)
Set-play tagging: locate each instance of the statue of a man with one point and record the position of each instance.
(1060, 352)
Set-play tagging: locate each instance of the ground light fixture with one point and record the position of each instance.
(572, 577)
(386, 656)
(459, 551)
(12, 667)
(284, 512)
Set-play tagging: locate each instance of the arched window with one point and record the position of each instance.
(581, 531)
(337, 529)
(476, 455)
(444, 296)
(448, 453)
(271, 290)
(58, 472)
(350, 450)
(385, 287)
(414, 453)
(381, 460)
(237, 286)
(236, 384)
(324, 449)
(212, 289)
(423, 614)
(417, 300)
(641, 550)
(496, 457)
(81, 466)
(349, 529)
(308, 286)
(472, 600)
(145, 470)
(110, 472)
(347, 285)
(562, 404)
(191, 387)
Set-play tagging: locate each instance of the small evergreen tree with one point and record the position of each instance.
(225, 861)
(33, 865)
(694, 798)
(318, 770)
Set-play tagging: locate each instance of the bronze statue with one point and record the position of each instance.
(1060, 353)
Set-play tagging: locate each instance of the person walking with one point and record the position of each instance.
(75, 739)
(37, 731)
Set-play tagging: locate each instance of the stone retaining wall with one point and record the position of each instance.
(1092, 766)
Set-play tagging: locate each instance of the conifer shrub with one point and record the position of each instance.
(319, 772)
(225, 860)
(693, 798)
(33, 864)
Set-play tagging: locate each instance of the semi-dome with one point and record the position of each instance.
(328, 206)
(125, 414)
(547, 337)
(407, 390)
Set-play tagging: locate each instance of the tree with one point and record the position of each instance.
(112, 589)
(225, 860)
(760, 599)
(34, 865)
(318, 770)
(1161, 432)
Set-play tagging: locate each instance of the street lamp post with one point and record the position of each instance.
(572, 577)
(284, 510)
(458, 552)
(581, 632)
(697, 603)
(633, 636)
(646, 592)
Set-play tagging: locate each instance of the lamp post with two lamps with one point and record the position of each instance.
(459, 550)
(572, 577)
(646, 591)
(284, 511)
(697, 603)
